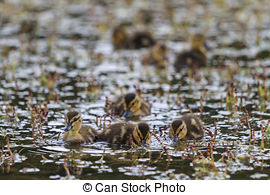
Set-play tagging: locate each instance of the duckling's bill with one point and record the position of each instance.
(127, 113)
(68, 126)
(206, 45)
(141, 143)
(175, 138)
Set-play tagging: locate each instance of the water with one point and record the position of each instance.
(68, 62)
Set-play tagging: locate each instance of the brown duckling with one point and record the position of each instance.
(126, 133)
(157, 56)
(75, 132)
(186, 127)
(129, 105)
(121, 39)
(144, 16)
(195, 57)
(141, 39)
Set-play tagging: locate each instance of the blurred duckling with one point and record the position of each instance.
(75, 132)
(195, 57)
(144, 16)
(157, 56)
(121, 39)
(187, 127)
(126, 133)
(130, 105)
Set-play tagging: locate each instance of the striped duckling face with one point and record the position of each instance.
(132, 104)
(119, 36)
(198, 41)
(141, 134)
(160, 54)
(178, 130)
(73, 121)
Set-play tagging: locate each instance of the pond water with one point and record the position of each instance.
(57, 56)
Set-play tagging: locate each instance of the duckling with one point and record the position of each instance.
(195, 57)
(187, 127)
(121, 39)
(141, 40)
(129, 105)
(75, 132)
(156, 55)
(144, 16)
(125, 133)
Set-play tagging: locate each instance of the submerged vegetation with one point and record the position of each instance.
(58, 56)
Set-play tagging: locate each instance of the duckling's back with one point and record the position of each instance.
(195, 128)
(117, 106)
(141, 40)
(88, 133)
(191, 59)
(118, 133)
(145, 108)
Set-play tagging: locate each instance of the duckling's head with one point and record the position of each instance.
(160, 54)
(178, 129)
(120, 36)
(198, 41)
(73, 121)
(132, 103)
(141, 133)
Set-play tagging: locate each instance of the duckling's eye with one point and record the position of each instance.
(133, 103)
(178, 132)
(181, 129)
(76, 119)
